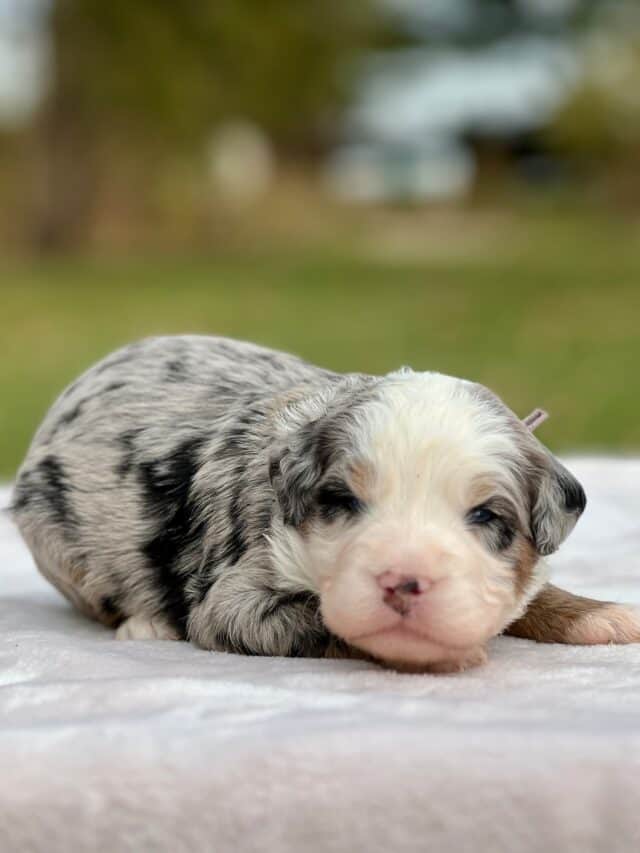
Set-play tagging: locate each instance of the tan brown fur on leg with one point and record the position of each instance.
(558, 616)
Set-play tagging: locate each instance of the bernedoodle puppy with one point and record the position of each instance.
(211, 490)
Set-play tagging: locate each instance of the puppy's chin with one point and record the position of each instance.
(407, 651)
(401, 645)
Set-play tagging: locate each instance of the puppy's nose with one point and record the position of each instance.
(401, 590)
(402, 583)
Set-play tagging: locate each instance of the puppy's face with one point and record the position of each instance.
(419, 513)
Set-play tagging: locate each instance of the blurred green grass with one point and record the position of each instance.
(547, 315)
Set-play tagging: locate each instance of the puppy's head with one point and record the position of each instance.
(418, 507)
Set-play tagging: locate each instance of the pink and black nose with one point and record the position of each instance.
(401, 591)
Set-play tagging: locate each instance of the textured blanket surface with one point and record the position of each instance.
(110, 746)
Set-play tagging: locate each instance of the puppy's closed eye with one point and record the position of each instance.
(498, 527)
(481, 515)
(337, 499)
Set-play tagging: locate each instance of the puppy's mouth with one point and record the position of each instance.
(403, 631)
(403, 647)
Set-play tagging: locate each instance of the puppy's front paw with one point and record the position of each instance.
(143, 628)
(609, 623)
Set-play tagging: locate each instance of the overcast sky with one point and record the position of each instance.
(22, 57)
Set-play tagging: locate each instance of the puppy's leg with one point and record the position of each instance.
(145, 628)
(557, 616)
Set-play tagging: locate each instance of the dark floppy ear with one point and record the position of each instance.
(297, 465)
(558, 502)
(318, 432)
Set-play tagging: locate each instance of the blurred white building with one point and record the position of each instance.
(407, 135)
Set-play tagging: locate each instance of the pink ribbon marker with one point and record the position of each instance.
(533, 420)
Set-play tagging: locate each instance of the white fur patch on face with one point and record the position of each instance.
(410, 579)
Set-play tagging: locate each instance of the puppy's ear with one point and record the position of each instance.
(295, 468)
(558, 502)
(316, 431)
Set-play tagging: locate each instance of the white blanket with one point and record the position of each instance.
(109, 745)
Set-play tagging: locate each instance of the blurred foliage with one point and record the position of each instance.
(137, 89)
(544, 311)
(152, 77)
(600, 123)
(168, 70)
(120, 153)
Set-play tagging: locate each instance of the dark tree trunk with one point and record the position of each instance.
(67, 179)
(66, 144)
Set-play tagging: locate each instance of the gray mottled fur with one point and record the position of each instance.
(155, 479)
(147, 491)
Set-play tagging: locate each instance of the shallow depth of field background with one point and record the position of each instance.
(449, 184)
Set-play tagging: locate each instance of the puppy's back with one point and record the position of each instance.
(105, 496)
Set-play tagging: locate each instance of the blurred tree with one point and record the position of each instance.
(600, 124)
(155, 75)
